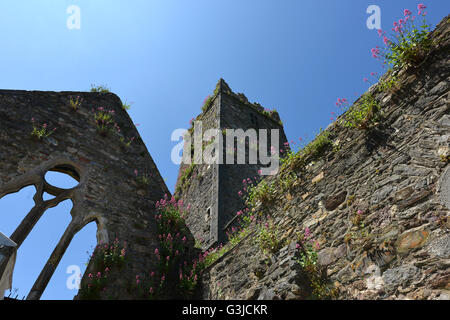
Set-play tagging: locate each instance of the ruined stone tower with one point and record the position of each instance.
(97, 144)
(212, 189)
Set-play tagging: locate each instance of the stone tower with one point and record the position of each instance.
(212, 189)
(119, 183)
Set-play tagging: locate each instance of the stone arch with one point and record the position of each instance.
(72, 229)
(36, 177)
(39, 244)
(71, 268)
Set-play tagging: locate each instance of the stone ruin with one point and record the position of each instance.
(396, 175)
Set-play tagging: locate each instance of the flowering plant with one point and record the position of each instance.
(268, 238)
(75, 103)
(362, 115)
(409, 43)
(104, 120)
(42, 131)
(106, 257)
(308, 250)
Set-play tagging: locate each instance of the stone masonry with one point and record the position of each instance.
(213, 189)
(377, 202)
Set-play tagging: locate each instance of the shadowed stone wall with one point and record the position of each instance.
(212, 189)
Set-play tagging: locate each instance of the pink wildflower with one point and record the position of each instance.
(307, 232)
(421, 7)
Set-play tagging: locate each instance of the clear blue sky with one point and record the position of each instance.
(165, 56)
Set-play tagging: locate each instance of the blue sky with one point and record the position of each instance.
(165, 56)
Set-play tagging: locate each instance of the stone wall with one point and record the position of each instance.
(376, 201)
(108, 192)
(201, 191)
(236, 114)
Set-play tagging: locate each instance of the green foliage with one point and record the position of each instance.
(126, 106)
(207, 103)
(184, 179)
(216, 89)
(270, 113)
(106, 258)
(210, 98)
(170, 218)
(389, 84)
(268, 238)
(110, 256)
(264, 192)
(237, 237)
(363, 114)
(314, 150)
(318, 146)
(93, 289)
(41, 131)
(444, 158)
(308, 261)
(104, 121)
(358, 221)
(143, 179)
(100, 88)
(75, 103)
(172, 233)
(287, 180)
(211, 256)
(409, 46)
(126, 142)
(188, 284)
(308, 257)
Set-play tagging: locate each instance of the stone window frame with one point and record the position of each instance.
(80, 219)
